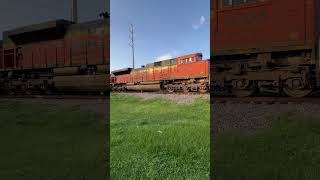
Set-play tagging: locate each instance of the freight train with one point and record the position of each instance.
(263, 47)
(187, 73)
(58, 55)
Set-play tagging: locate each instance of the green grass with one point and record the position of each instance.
(153, 139)
(159, 139)
(47, 142)
(290, 150)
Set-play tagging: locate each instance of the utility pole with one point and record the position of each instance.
(106, 14)
(131, 31)
(74, 11)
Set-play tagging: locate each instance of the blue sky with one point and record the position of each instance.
(163, 29)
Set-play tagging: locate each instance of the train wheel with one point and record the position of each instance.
(185, 89)
(11, 92)
(48, 92)
(242, 88)
(298, 93)
(28, 92)
(295, 88)
(242, 92)
(203, 91)
(170, 89)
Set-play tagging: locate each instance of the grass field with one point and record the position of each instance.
(152, 139)
(158, 139)
(290, 150)
(47, 142)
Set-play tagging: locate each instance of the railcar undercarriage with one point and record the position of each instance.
(48, 81)
(187, 85)
(280, 74)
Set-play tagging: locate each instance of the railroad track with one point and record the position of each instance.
(84, 97)
(266, 100)
(178, 93)
(221, 100)
(245, 100)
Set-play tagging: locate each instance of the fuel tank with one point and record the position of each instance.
(82, 83)
(145, 86)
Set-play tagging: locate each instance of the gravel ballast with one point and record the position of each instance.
(251, 117)
(178, 98)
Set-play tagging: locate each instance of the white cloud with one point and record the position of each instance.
(202, 21)
(164, 57)
(195, 26)
(175, 53)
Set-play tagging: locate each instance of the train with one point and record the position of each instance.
(188, 73)
(56, 56)
(265, 47)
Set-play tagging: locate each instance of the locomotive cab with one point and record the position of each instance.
(189, 58)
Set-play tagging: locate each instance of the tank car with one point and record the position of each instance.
(186, 73)
(265, 47)
(58, 55)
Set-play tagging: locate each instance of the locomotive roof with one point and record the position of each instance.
(38, 32)
(55, 24)
(122, 71)
(85, 25)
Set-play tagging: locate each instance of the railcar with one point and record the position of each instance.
(58, 55)
(186, 73)
(265, 47)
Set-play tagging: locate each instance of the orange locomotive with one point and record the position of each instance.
(265, 46)
(56, 55)
(185, 73)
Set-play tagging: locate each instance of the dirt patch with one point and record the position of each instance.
(178, 98)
